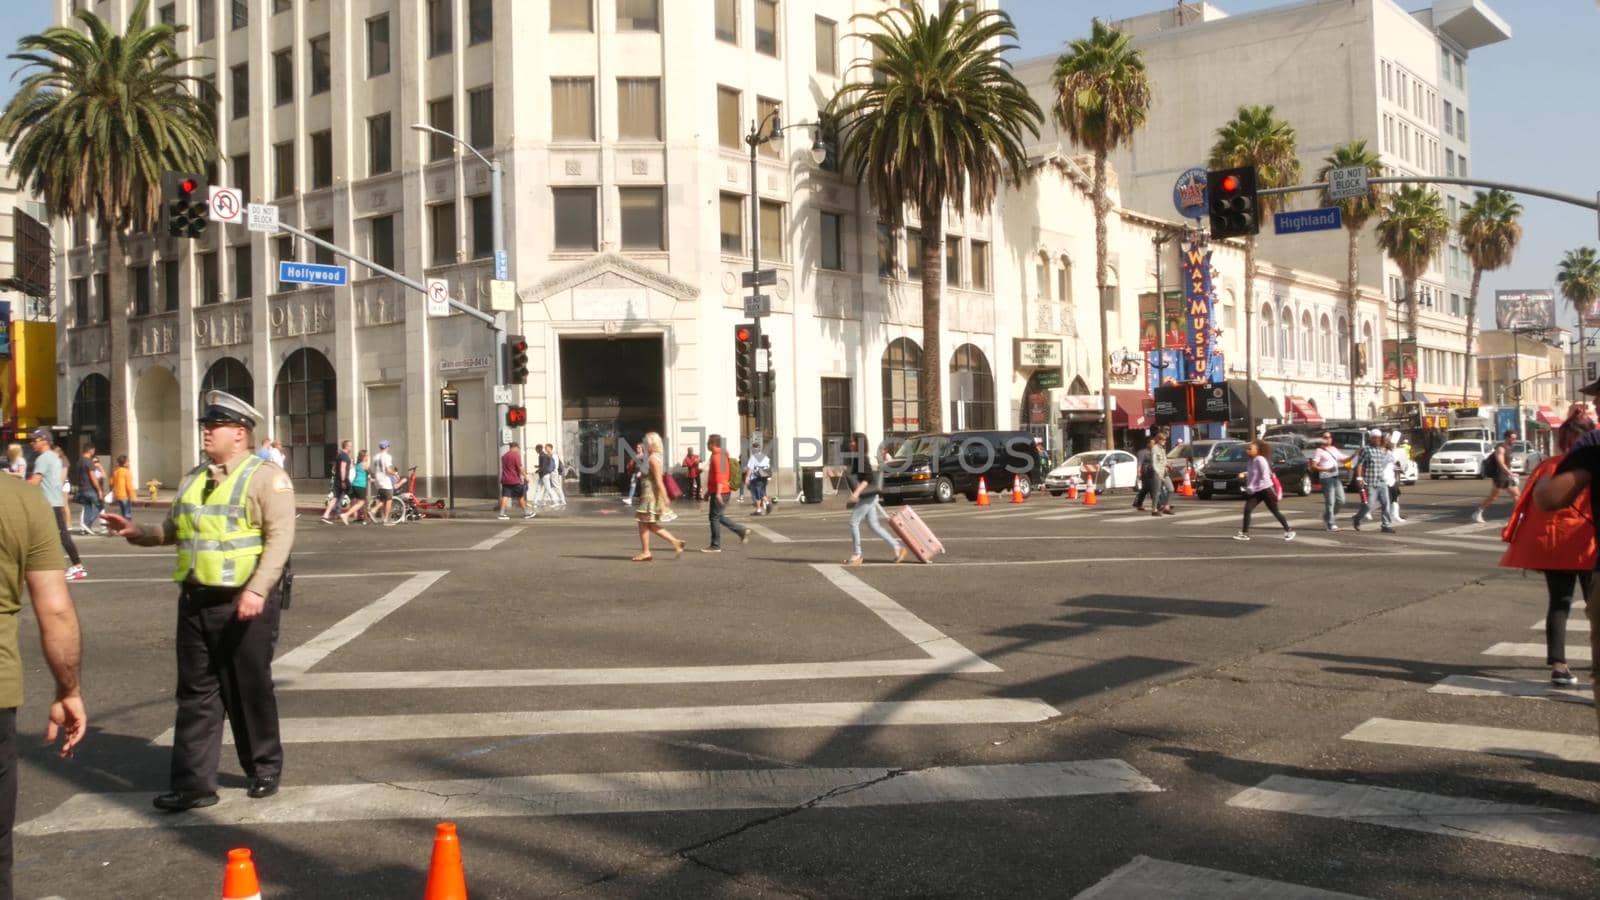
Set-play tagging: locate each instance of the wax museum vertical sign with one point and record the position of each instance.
(1200, 300)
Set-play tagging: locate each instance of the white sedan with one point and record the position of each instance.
(1110, 469)
(1459, 459)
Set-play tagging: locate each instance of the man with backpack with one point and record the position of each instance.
(340, 476)
(1497, 466)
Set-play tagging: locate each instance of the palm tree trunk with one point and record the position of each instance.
(117, 296)
(1102, 207)
(1583, 362)
(1472, 323)
(1411, 332)
(1249, 334)
(1353, 272)
(931, 397)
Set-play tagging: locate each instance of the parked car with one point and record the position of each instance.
(1111, 469)
(940, 466)
(1292, 467)
(1457, 459)
(1195, 455)
(1524, 457)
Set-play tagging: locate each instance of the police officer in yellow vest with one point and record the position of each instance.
(233, 524)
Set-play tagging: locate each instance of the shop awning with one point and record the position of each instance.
(1548, 416)
(1128, 410)
(1302, 410)
(1241, 388)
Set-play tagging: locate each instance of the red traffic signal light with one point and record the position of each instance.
(187, 186)
(516, 416)
(742, 334)
(1230, 183)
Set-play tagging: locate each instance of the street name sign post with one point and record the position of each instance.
(1347, 183)
(1303, 220)
(758, 278)
(226, 204)
(311, 273)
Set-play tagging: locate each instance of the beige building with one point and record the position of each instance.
(1506, 361)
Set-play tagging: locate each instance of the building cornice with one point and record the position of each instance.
(608, 262)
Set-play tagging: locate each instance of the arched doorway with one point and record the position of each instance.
(91, 413)
(902, 382)
(304, 396)
(157, 428)
(230, 375)
(971, 389)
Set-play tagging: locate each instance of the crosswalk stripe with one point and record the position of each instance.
(1429, 540)
(1575, 623)
(1474, 528)
(1479, 739)
(608, 793)
(1155, 879)
(767, 533)
(1574, 654)
(1314, 541)
(1558, 831)
(514, 723)
(1482, 686)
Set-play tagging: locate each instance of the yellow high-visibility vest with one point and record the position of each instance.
(217, 542)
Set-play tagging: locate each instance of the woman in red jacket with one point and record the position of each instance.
(1560, 544)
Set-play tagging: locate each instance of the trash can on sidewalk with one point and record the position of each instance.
(811, 484)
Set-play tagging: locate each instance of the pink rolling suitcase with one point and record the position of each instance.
(918, 538)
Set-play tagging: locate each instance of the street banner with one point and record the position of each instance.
(1162, 366)
(5, 329)
(1174, 335)
(1200, 301)
(1402, 354)
(1526, 310)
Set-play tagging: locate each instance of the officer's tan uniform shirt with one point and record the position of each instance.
(269, 503)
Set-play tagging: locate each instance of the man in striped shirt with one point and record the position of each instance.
(1373, 460)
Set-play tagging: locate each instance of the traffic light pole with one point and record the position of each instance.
(759, 401)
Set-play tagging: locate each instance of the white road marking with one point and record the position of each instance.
(499, 538)
(1154, 879)
(767, 533)
(1480, 739)
(298, 575)
(934, 642)
(1431, 541)
(1574, 654)
(1185, 519)
(1483, 686)
(1473, 528)
(1315, 541)
(531, 796)
(1574, 623)
(452, 726)
(1355, 551)
(350, 627)
(1558, 831)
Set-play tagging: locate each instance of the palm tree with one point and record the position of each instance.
(1578, 277)
(1102, 98)
(98, 117)
(1355, 212)
(1410, 231)
(1490, 231)
(938, 110)
(1255, 136)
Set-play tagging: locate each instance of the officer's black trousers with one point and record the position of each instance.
(224, 666)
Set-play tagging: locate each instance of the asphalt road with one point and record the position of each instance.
(1070, 700)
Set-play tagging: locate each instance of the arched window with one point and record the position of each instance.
(91, 413)
(1043, 275)
(971, 389)
(902, 379)
(1268, 329)
(229, 374)
(1325, 349)
(1286, 334)
(1374, 366)
(1064, 280)
(1343, 359)
(305, 396)
(1308, 339)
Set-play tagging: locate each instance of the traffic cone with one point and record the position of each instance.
(1188, 483)
(1016, 489)
(983, 492)
(239, 878)
(1072, 490)
(1089, 498)
(446, 880)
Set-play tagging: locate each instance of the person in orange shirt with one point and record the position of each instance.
(122, 487)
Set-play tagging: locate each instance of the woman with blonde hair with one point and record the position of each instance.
(654, 509)
(15, 464)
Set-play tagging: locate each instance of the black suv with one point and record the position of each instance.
(944, 465)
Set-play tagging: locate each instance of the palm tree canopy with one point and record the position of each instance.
(1578, 277)
(1255, 136)
(1412, 228)
(1489, 229)
(1355, 211)
(941, 110)
(100, 115)
(1102, 89)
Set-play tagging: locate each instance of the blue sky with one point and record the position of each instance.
(1532, 101)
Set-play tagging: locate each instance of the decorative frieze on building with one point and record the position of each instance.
(222, 325)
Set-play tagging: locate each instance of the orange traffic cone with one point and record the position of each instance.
(983, 492)
(239, 878)
(1016, 489)
(446, 880)
(1072, 490)
(1089, 498)
(1188, 483)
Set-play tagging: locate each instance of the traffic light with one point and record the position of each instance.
(185, 204)
(516, 359)
(744, 361)
(516, 416)
(1235, 210)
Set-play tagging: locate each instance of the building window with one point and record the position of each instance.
(572, 109)
(321, 255)
(886, 250)
(305, 393)
(1461, 165)
(380, 237)
(230, 375)
(283, 169)
(639, 109)
(241, 14)
(239, 169)
(1461, 124)
(168, 14)
(728, 134)
(480, 112)
(643, 218)
(482, 227)
(379, 137)
(1064, 281)
(283, 251)
(832, 242)
(91, 409)
(902, 380)
(577, 222)
(767, 107)
(242, 274)
(480, 21)
(773, 239)
(80, 301)
(102, 293)
(378, 46)
(440, 35)
(441, 115)
(442, 228)
(239, 82)
(139, 281)
(730, 213)
(980, 265)
(1042, 276)
(321, 65)
(1449, 163)
(206, 22)
(571, 15)
(914, 250)
(1449, 118)
(827, 46)
(767, 27)
(281, 6)
(727, 20)
(283, 77)
(638, 15)
(952, 261)
(971, 389)
(210, 280)
(1286, 335)
(836, 424)
(321, 159)
(169, 285)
